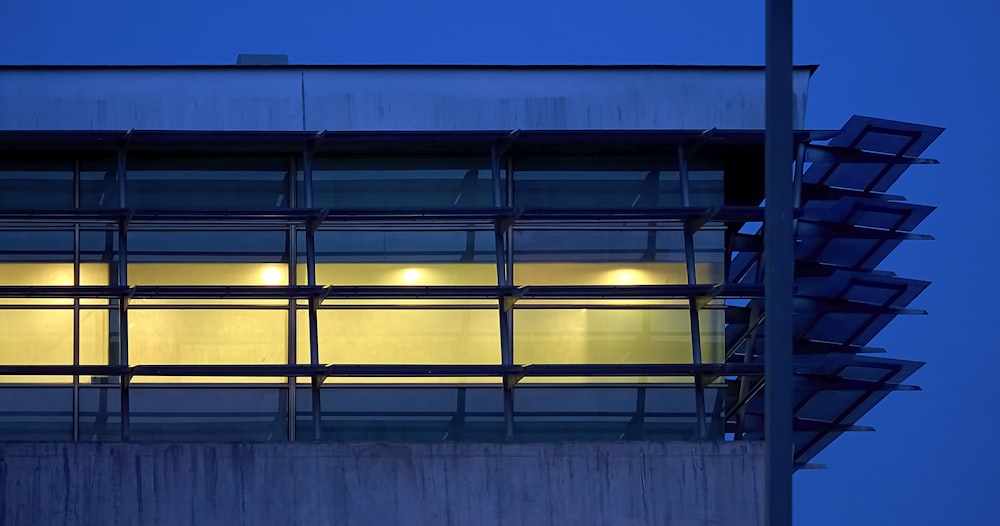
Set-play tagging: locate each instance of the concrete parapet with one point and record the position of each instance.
(357, 484)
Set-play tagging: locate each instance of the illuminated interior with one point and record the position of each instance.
(359, 331)
(206, 337)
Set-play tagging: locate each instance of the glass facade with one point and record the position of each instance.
(187, 259)
(475, 285)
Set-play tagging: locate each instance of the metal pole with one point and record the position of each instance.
(779, 262)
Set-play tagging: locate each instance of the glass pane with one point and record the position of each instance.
(60, 274)
(600, 273)
(615, 257)
(36, 413)
(36, 337)
(95, 274)
(425, 274)
(712, 322)
(206, 246)
(615, 336)
(554, 414)
(409, 414)
(463, 246)
(36, 246)
(404, 258)
(406, 336)
(193, 274)
(564, 413)
(208, 259)
(210, 414)
(613, 182)
(707, 187)
(204, 183)
(96, 327)
(583, 336)
(670, 413)
(99, 246)
(596, 189)
(201, 337)
(100, 413)
(35, 186)
(403, 183)
(49, 274)
(98, 187)
(599, 246)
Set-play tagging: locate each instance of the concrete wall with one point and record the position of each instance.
(358, 484)
(346, 98)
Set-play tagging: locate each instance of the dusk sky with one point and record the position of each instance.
(933, 459)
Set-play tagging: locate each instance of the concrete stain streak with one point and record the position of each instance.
(405, 99)
(360, 484)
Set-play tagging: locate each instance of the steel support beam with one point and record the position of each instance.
(779, 267)
(692, 279)
(502, 236)
(122, 300)
(308, 155)
(291, 247)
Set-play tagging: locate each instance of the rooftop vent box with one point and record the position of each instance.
(255, 59)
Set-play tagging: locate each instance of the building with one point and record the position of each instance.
(417, 269)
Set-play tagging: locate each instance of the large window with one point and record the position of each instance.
(381, 183)
(213, 253)
(209, 183)
(611, 183)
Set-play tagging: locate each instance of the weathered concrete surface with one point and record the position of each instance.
(350, 98)
(358, 484)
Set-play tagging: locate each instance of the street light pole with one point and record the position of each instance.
(779, 262)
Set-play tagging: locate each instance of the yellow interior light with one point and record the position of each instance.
(411, 275)
(625, 276)
(272, 275)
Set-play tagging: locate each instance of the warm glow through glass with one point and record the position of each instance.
(272, 276)
(411, 275)
(625, 276)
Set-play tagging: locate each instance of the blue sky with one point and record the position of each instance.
(932, 458)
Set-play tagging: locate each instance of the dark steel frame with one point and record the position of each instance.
(743, 370)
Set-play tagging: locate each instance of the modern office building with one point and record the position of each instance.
(216, 279)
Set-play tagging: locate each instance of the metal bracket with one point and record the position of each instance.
(506, 221)
(702, 300)
(694, 224)
(314, 222)
(316, 298)
(508, 300)
(126, 218)
(511, 379)
(317, 379)
(503, 145)
(126, 298)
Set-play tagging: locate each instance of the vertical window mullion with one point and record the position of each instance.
(692, 279)
(292, 254)
(122, 299)
(76, 304)
(316, 382)
(505, 304)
